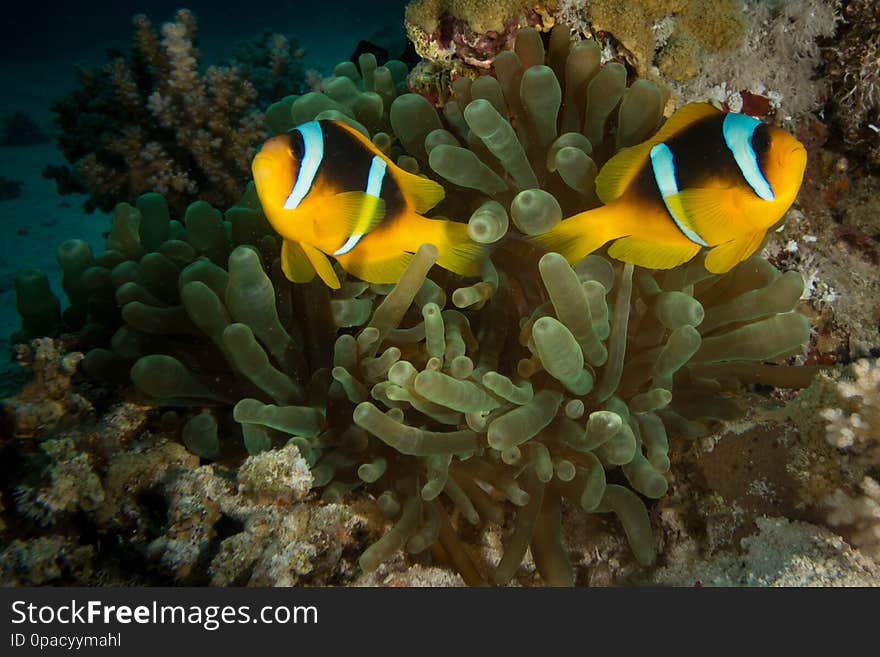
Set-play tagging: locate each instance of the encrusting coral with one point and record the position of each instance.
(755, 56)
(476, 31)
(153, 121)
(455, 404)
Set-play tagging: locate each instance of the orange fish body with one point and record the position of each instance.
(706, 179)
(328, 191)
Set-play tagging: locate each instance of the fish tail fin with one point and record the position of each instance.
(580, 235)
(458, 252)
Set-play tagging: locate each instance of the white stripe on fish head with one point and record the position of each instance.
(313, 154)
(738, 130)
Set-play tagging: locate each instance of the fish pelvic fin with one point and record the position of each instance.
(322, 265)
(294, 263)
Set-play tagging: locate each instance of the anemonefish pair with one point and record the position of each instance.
(328, 191)
(706, 179)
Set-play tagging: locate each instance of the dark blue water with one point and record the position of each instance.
(65, 30)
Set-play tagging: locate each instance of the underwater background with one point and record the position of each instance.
(176, 410)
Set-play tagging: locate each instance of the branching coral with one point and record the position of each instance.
(857, 431)
(854, 428)
(49, 399)
(272, 63)
(152, 121)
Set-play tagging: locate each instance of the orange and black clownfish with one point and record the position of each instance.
(328, 191)
(706, 179)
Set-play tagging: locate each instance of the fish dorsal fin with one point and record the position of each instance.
(422, 193)
(322, 265)
(725, 257)
(620, 170)
(711, 212)
(295, 264)
(682, 118)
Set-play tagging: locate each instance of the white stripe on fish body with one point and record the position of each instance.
(376, 176)
(350, 243)
(375, 179)
(313, 154)
(664, 174)
(738, 130)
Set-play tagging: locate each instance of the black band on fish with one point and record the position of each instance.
(664, 174)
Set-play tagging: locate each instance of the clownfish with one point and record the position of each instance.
(329, 191)
(706, 179)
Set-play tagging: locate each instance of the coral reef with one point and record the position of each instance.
(495, 423)
(783, 553)
(852, 66)
(469, 31)
(776, 62)
(756, 57)
(272, 63)
(50, 560)
(829, 238)
(49, 398)
(152, 121)
(854, 427)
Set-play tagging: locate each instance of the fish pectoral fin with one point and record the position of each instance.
(422, 193)
(726, 256)
(350, 213)
(653, 255)
(295, 264)
(710, 212)
(321, 265)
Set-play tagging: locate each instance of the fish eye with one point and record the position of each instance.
(297, 147)
(760, 139)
